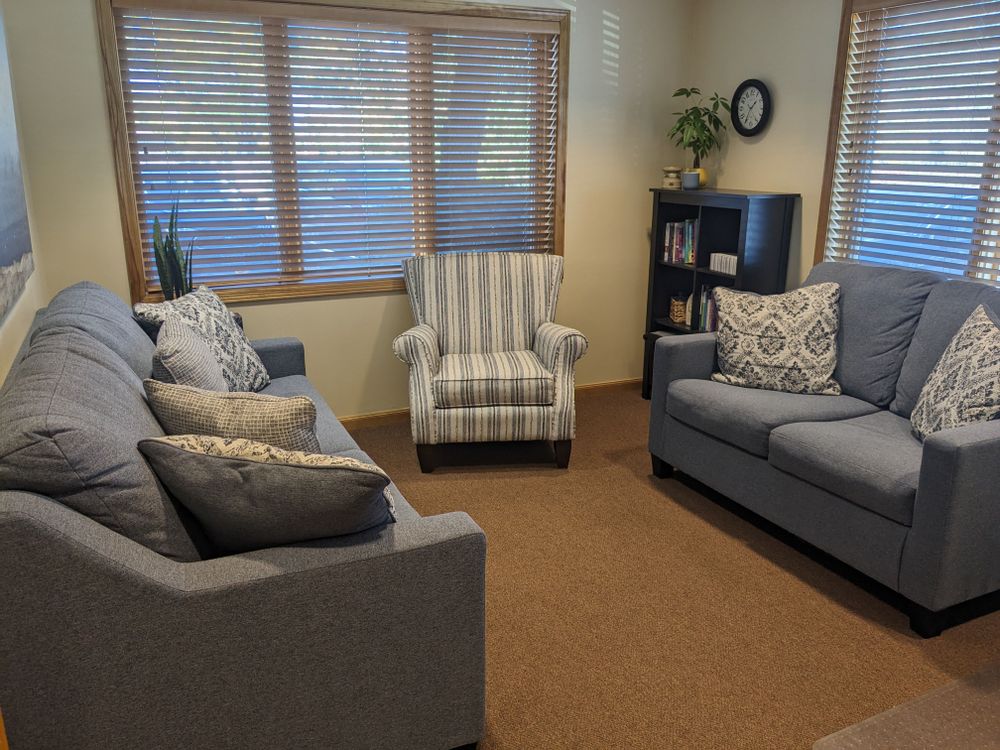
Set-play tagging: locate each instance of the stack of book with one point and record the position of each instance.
(680, 241)
(708, 318)
(722, 262)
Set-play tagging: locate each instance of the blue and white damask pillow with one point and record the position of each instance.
(203, 311)
(964, 386)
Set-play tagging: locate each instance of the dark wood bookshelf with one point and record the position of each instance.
(754, 226)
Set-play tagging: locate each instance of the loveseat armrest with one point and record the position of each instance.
(558, 345)
(681, 357)
(282, 356)
(952, 552)
(305, 646)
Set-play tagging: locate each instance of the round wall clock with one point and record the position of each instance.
(751, 107)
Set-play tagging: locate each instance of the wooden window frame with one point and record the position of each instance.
(115, 94)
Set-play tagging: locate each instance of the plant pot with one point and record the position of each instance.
(690, 180)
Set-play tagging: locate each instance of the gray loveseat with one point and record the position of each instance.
(845, 473)
(375, 640)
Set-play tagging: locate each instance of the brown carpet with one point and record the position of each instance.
(629, 612)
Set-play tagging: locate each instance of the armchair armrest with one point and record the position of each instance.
(677, 358)
(418, 345)
(282, 356)
(296, 646)
(555, 344)
(952, 552)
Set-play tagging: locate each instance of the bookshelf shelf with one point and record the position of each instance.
(756, 227)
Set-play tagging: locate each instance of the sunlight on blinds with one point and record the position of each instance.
(916, 180)
(307, 151)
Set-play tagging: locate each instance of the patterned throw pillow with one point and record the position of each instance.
(248, 495)
(782, 342)
(288, 423)
(208, 315)
(183, 357)
(964, 386)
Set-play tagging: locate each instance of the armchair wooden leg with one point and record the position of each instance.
(661, 469)
(563, 448)
(425, 455)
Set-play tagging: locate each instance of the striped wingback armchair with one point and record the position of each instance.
(486, 361)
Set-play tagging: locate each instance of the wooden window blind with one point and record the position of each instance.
(914, 165)
(312, 147)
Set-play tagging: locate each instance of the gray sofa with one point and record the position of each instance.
(375, 640)
(845, 473)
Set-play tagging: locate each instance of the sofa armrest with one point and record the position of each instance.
(300, 646)
(952, 552)
(282, 357)
(558, 345)
(687, 357)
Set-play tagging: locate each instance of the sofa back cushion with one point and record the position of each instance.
(483, 302)
(73, 412)
(101, 314)
(948, 306)
(879, 312)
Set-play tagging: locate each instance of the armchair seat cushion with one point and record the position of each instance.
(744, 417)
(872, 461)
(493, 379)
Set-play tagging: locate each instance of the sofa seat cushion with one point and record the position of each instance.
(493, 379)
(332, 436)
(872, 461)
(744, 417)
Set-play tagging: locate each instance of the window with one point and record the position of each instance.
(312, 147)
(914, 164)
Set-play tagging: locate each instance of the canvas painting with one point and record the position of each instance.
(16, 262)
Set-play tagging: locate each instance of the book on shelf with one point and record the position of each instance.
(708, 314)
(723, 263)
(680, 241)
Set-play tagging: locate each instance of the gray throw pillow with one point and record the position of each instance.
(781, 342)
(248, 495)
(288, 423)
(206, 313)
(964, 386)
(183, 357)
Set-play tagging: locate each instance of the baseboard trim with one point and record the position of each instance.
(378, 418)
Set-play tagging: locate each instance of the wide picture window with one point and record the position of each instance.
(914, 170)
(309, 148)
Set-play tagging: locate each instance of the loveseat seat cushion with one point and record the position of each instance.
(879, 311)
(73, 413)
(948, 306)
(493, 379)
(101, 314)
(744, 417)
(872, 461)
(333, 438)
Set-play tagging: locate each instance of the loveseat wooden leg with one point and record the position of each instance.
(563, 448)
(661, 469)
(425, 455)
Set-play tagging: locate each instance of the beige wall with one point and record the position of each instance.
(791, 45)
(625, 56)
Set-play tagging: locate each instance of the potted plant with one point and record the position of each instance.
(699, 128)
(173, 265)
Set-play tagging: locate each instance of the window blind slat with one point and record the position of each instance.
(314, 150)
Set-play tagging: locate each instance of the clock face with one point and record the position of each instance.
(751, 108)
